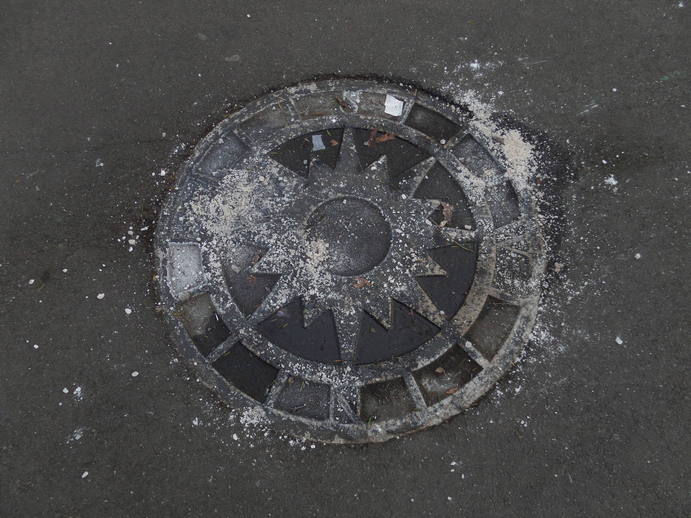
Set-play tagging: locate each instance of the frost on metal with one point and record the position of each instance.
(352, 260)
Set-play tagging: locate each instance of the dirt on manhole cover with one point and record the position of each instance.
(350, 260)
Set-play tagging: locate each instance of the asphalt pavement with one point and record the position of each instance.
(100, 101)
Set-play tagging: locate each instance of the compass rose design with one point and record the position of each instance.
(350, 243)
(349, 261)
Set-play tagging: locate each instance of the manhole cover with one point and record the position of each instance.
(346, 261)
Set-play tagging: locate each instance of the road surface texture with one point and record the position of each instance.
(101, 100)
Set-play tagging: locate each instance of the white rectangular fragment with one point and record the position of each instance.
(393, 106)
(317, 143)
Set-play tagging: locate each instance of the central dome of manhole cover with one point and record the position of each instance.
(347, 261)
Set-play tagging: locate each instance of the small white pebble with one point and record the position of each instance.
(100, 296)
(637, 256)
(128, 311)
(135, 374)
(85, 474)
(65, 390)
(31, 281)
(64, 270)
(614, 89)
(235, 437)
(35, 346)
(604, 161)
(619, 340)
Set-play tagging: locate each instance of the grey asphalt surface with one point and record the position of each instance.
(97, 97)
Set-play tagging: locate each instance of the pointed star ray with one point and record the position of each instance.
(378, 170)
(418, 300)
(427, 267)
(415, 175)
(348, 160)
(348, 331)
(380, 307)
(275, 261)
(280, 296)
(311, 310)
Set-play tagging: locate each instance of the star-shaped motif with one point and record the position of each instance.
(349, 243)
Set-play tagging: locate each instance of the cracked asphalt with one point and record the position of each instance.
(99, 102)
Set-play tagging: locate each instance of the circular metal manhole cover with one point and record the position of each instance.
(346, 261)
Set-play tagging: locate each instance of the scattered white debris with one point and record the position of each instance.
(163, 172)
(128, 311)
(619, 340)
(611, 180)
(195, 421)
(76, 435)
(135, 374)
(393, 106)
(100, 296)
(78, 393)
(99, 162)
